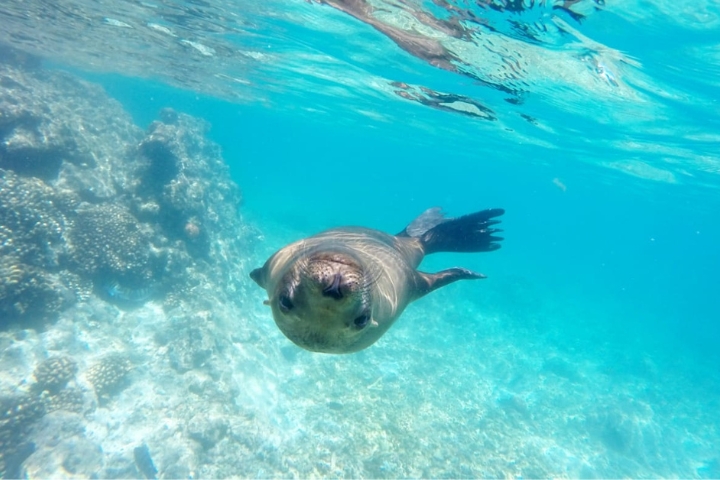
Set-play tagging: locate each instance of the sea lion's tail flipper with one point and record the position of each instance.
(469, 233)
(433, 281)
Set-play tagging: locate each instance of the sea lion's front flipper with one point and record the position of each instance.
(432, 281)
(258, 275)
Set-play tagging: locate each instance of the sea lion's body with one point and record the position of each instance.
(342, 289)
(390, 263)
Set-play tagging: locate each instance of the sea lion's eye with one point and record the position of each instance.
(285, 303)
(362, 320)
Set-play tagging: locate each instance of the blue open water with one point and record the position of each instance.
(638, 253)
(608, 275)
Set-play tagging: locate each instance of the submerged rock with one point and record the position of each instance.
(144, 461)
(207, 431)
(72, 457)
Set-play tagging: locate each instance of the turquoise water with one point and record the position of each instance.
(591, 350)
(634, 252)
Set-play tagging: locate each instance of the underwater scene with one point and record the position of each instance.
(518, 275)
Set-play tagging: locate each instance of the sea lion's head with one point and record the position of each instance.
(323, 301)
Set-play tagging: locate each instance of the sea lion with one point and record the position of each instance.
(339, 291)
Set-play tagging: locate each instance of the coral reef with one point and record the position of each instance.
(108, 376)
(20, 413)
(97, 220)
(28, 292)
(32, 223)
(184, 184)
(31, 245)
(17, 414)
(88, 205)
(52, 128)
(106, 241)
(57, 150)
(69, 400)
(54, 373)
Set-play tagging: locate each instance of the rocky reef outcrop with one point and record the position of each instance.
(90, 203)
(116, 244)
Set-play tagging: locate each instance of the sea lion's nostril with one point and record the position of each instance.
(333, 290)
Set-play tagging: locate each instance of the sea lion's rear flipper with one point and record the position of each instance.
(469, 233)
(433, 281)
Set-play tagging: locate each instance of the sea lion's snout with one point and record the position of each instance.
(337, 276)
(333, 290)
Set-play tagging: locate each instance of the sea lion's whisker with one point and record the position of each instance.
(303, 260)
(371, 277)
